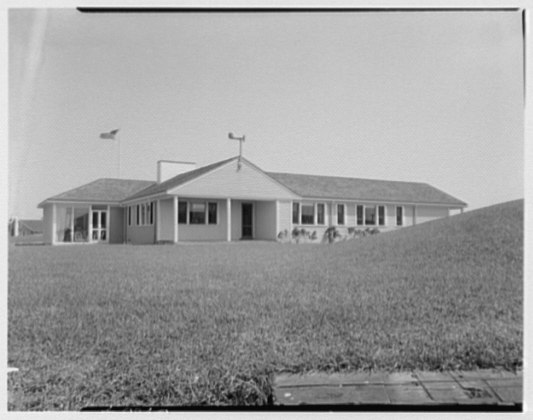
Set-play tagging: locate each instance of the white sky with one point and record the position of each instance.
(430, 97)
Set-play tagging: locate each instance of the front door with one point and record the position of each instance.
(247, 220)
(99, 226)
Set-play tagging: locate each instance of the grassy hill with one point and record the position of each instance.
(208, 323)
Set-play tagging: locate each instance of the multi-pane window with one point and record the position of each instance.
(399, 216)
(304, 213)
(340, 214)
(381, 215)
(308, 214)
(370, 215)
(212, 213)
(145, 214)
(182, 212)
(360, 217)
(296, 213)
(197, 214)
(320, 211)
(129, 215)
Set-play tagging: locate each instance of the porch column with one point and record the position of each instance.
(175, 218)
(462, 209)
(108, 226)
(54, 224)
(228, 219)
(277, 218)
(158, 221)
(90, 233)
(414, 215)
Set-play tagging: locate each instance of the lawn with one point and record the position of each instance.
(207, 324)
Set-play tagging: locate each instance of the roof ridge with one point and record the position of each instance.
(348, 177)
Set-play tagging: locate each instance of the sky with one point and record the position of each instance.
(432, 97)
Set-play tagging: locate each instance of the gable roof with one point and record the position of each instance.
(330, 187)
(178, 180)
(102, 190)
(111, 190)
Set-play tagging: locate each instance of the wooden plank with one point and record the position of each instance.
(319, 378)
(411, 394)
(332, 395)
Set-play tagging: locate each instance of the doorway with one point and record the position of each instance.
(99, 226)
(247, 220)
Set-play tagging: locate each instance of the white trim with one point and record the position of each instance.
(277, 218)
(80, 202)
(90, 232)
(54, 224)
(404, 203)
(228, 219)
(158, 221)
(150, 197)
(108, 227)
(293, 195)
(175, 207)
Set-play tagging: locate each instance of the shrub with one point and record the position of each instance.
(331, 233)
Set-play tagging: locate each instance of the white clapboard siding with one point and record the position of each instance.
(229, 181)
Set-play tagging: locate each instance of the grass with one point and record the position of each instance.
(207, 324)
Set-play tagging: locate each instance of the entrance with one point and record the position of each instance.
(247, 220)
(99, 226)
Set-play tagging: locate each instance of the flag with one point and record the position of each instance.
(111, 135)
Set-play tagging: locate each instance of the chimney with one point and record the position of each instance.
(167, 169)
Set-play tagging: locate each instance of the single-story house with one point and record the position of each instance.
(25, 227)
(231, 200)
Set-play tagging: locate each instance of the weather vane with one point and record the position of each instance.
(241, 141)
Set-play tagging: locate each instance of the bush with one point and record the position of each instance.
(331, 234)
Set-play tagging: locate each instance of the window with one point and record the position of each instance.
(381, 215)
(197, 214)
(370, 215)
(340, 214)
(212, 214)
(138, 214)
(359, 215)
(151, 212)
(182, 212)
(320, 214)
(308, 214)
(143, 214)
(399, 216)
(129, 215)
(296, 213)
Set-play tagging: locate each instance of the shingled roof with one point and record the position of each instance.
(306, 186)
(103, 190)
(330, 187)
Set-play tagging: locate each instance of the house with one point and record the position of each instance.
(24, 227)
(231, 200)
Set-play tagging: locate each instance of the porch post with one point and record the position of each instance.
(228, 219)
(277, 218)
(54, 224)
(158, 221)
(90, 238)
(175, 218)
(108, 227)
(462, 209)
